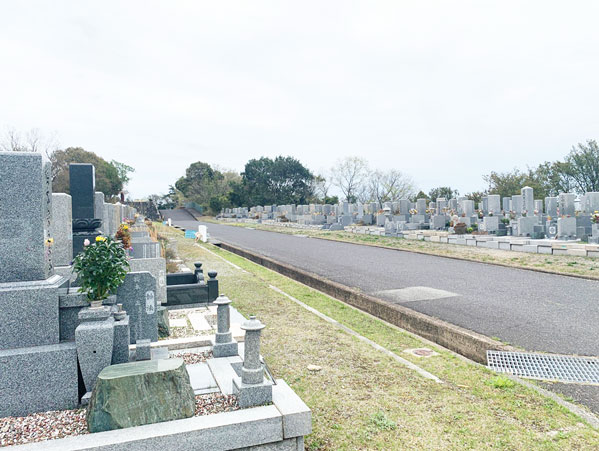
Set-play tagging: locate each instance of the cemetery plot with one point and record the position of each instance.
(352, 388)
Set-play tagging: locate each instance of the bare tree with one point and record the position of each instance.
(322, 186)
(350, 175)
(31, 141)
(389, 186)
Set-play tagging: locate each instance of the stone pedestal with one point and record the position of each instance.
(252, 389)
(224, 345)
(94, 338)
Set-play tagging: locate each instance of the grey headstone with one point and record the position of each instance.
(156, 267)
(61, 228)
(138, 296)
(25, 213)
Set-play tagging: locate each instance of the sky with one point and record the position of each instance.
(442, 91)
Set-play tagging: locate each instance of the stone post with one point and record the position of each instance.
(252, 371)
(253, 389)
(198, 272)
(224, 345)
(212, 286)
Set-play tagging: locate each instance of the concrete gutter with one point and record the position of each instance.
(463, 341)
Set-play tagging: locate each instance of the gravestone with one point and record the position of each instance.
(156, 267)
(507, 204)
(61, 228)
(494, 201)
(566, 227)
(517, 204)
(551, 206)
(25, 213)
(37, 371)
(421, 206)
(528, 200)
(82, 188)
(566, 204)
(138, 296)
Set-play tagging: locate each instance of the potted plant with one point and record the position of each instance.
(124, 235)
(101, 268)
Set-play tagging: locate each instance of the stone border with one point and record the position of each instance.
(284, 424)
(468, 343)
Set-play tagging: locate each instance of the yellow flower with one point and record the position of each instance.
(125, 227)
(49, 241)
(100, 238)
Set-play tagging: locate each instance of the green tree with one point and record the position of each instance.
(582, 166)
(108, 180)
(421, 195)
(476, 196)
(283, 180)
(443, 191)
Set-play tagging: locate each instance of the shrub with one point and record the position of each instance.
(101, 267)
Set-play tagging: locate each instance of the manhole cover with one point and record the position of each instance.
(561, 368)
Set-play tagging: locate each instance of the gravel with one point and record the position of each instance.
(215, 403)
(42, 426)
(194, 357)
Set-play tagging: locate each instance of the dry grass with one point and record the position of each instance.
(363, 399)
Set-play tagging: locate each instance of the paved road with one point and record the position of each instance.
(535, 311)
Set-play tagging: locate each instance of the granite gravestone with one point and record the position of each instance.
(37, 371)
(61, 228)
(138, 296)
(82, 187)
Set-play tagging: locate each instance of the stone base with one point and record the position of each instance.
(163, 324)
(71, 304)
(38, 379)
(66, 272)
(29, 313)
(225, 349)
(252, 395)
(120, 349)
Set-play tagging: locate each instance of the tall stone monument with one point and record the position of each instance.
(82, 182)
(37, 371)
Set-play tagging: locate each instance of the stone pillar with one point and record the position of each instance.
(212, 286)
(224, 345)
(82, 187)
(253, 389)
(198, 272)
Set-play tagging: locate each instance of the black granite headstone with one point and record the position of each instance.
(82, 182)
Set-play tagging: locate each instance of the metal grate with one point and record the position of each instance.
(549, 367)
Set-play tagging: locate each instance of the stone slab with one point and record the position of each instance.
(61, 230)
(29, 313)
(224, 373)
(201, 378)
(137, 294)
(199, 323)
(156, 267)
(297, 417)
(25, 213)
(37, 379)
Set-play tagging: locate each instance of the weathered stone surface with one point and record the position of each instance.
(156, 267)
(37, 379)
(137, 393)
(25, 212)
(164, 329)
(61, 229)
(137, 294)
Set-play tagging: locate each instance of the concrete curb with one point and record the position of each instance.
(467, 343)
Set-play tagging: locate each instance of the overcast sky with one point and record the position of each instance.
(443, 91)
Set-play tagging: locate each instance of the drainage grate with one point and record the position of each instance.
(550, 367)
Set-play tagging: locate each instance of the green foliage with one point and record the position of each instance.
(582, 167)
(283, 180)
(110, 177)
(204, 185)
(502, 382)
(382, 422)
(476, 196)
(421, 195)
(443, 191)
(101, 268)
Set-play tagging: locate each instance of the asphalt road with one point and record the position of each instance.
(531, 310)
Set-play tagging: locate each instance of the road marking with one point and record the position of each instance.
(352, 332)
(411, 294)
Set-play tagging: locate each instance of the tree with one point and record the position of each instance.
(31, 141)
(122, 170)
(582, 166)
(107, 175)
(322, 186)
(476, 196)
(421, 195)
(443, 191)
(350, 176)
(199, 183)
(388, 186)
(283, 180)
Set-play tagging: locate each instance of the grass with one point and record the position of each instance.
(558, 264)
(363, 399)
